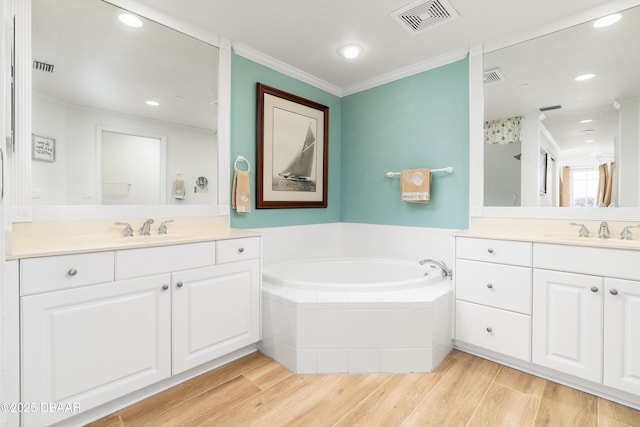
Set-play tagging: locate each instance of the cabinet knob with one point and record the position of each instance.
(594, 289)
(72, 272)
(613, 292)
(490, 250)
(241, 250)
(179, 284)
(489, 285)
(489, 329)
(165, 287)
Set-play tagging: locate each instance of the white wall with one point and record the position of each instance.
(502, 174)
(628, 158)
(356, 240)
(191, 151)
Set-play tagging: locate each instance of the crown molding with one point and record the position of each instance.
(408, 71)
(284, 68)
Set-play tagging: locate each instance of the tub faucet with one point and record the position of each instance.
(146, 227)
(603, 233)
(446, 271)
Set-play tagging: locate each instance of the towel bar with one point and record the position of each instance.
(448, 169)
(241, 159)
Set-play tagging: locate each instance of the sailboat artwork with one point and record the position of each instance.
(299, 174)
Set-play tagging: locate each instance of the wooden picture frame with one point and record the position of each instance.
(43, 148)
(292, 151)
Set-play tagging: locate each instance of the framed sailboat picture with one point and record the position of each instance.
(292, 149)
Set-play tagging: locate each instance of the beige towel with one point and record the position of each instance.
(241, 192)
(415, 185)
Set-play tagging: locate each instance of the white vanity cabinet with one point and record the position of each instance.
(217, 309)
(88, 345)
(622, 335)
(567, 322)
(97, 326)
(588, 325)
(493, 295)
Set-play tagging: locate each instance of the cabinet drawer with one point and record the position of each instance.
(493, 329)
(237, 249)
(497, 285)
(164, 259)
(65, 271)
(500, 251)
(618, 263)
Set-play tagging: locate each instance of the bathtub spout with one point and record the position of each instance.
(446, 271)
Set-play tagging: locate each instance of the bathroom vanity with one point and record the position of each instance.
(563, 307)
(97, 325)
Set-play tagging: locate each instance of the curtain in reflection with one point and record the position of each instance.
(565, 187)
(605, 184)
(503, 131)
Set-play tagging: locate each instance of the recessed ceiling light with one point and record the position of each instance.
(584, 77)
(607, 20)
(589, 140)
(350, 51)
(130, 20)
(153, 103)
(586, 121)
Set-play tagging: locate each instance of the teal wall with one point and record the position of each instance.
(419, 121)
(245, 76)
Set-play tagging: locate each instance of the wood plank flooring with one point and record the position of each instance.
(464, 391)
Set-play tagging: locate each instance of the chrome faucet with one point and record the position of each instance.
(625, 234)
(163, 227)
(128, 231)
(603, 233)
(446, 271)
(583, 231)
(146, 227)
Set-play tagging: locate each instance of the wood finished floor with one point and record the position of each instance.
(464, 391)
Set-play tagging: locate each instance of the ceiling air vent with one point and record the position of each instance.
(492, 76)
(42, 66)
(422, 15)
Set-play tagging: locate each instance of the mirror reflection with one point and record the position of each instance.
(562, 118)
(99, 83)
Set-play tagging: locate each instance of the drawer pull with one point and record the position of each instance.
(490, 250)
(594, 289)
(179, 284)
(489, 285)
(72, 272)
(240, 250)
(489, 329)
(165, 287)
(613, 292)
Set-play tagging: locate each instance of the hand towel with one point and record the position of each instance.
(415, 185)
(179, 192)
(241, 192)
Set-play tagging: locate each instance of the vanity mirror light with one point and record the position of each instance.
(118, 99)
(567, 125)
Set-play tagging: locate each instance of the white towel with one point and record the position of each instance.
(179, 192)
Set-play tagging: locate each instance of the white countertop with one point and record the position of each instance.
(50, 239)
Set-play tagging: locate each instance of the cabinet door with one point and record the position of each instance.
(215, 310)
(89, 345)
(567, 323)
(622, 335)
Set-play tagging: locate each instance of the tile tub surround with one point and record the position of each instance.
(358, 332)
(309, 331)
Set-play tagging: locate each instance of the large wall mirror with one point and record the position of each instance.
(562, 118)
(115, 89)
